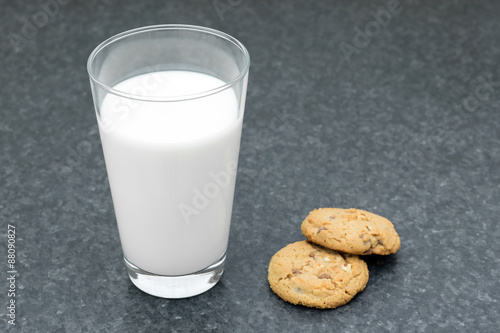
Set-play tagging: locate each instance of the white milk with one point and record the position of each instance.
(172, 170)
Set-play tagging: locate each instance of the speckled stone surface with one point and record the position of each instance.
(403, 121)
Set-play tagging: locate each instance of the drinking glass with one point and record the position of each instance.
(169, 102)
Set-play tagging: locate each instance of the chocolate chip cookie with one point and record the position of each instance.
(311, 275)
(351, 230)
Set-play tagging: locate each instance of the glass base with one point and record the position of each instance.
(179, 286)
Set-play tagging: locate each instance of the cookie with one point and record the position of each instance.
(311, 275)
(351, 230)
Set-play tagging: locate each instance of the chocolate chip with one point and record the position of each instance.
(380, 242)
(324, 276)
(311, 254)
(369, 251)
(320, 230)
(294, 271)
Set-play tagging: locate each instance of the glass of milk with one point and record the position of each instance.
(169, 101)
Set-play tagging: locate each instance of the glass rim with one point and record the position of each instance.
(185, 27)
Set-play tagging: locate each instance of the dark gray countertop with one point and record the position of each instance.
(408, 127)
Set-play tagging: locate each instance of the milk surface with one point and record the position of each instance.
(172, 169)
